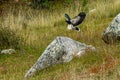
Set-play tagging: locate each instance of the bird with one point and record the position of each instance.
(73, 23)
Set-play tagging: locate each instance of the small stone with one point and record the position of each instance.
(8, 51)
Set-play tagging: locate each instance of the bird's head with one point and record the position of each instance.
(82, 14)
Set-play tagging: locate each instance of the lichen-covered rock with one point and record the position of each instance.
(8, 51)
(61, 50)
(112, 33)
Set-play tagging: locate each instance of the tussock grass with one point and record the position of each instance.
(40, 27)
(9, 39)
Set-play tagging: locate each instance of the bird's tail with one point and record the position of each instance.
(67, 19)
(77, 29)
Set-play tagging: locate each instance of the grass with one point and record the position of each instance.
(40, 27)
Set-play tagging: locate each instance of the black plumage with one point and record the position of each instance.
(73, 23)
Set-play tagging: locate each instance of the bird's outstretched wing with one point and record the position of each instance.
(67, 17)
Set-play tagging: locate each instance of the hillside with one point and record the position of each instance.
(34, 29)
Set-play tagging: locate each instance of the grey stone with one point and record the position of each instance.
(60, 50)
(112, 33)
(8, 51)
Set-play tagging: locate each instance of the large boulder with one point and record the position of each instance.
(112, 33)
(60, 50)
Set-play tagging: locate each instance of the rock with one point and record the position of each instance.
(60, 50)
(8, 51)
(112, 33)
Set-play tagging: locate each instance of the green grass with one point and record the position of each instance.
(40, 27)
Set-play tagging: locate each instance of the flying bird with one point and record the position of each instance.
(73, 23)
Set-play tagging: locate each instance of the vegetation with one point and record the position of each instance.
(38, 27)
(9, 38)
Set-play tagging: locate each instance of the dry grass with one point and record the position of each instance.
(40, 27)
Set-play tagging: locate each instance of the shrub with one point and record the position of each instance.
(41, 3)
(9, 39)
(52, 3)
